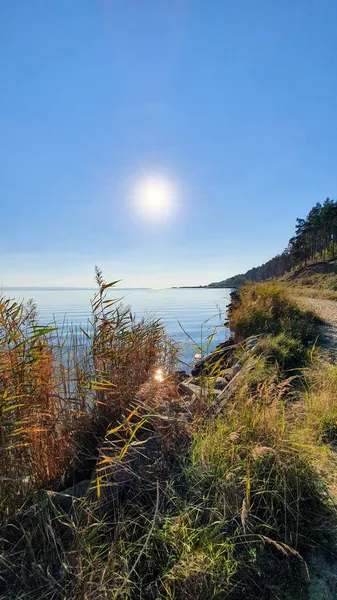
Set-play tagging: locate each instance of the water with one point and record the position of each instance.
(199, 312)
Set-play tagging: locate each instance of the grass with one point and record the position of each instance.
(312, 292)
(287, 352)
(180, 501)
(317, 279)
(55, 390)
(267, 308)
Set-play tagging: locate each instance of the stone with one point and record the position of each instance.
(222, 353)
(232, 386)
(180, 375)
(220, 383)
(191, 388)
(184, 388)
(235, 369)
(66, 498)
(251, 342)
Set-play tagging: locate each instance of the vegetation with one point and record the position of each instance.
(315, 239)
(266, 308)
(179, 499)
(275, 267)
(317, 280)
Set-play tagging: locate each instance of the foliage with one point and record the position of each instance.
(288, 352)
(266, 308)
(321, 402)
(230, 513)
(275, 267)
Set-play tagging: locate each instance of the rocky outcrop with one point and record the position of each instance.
(220, 373)
(222, 355)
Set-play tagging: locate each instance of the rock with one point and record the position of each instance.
(180, 375)
(220, 383)
(232, 386)
(251, 342)
(65, 499)
(183, 407)
(235, 296)
(191, 388)
(235, 301)
(222, 353)
(223, 345)
(79, 489)
(235, 369)
(184, 389)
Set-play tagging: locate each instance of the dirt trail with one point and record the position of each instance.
(323, 570)
(327, 310)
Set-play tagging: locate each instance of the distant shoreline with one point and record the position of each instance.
(202, 287)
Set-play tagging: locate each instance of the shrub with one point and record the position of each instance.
(266, 308)
(288, 352)
(328, 429)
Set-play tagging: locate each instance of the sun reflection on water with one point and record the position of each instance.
(158, 375)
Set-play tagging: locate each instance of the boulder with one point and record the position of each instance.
(198, 389)
(222, 353)
(180, 375)
(66, 498)
(228, 392)
(220, 383)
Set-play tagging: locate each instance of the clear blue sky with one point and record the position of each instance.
(233, 101)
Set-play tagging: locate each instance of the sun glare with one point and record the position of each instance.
(155, 197)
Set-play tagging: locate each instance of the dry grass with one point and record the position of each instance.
(267, 308)
(316, 279)
(308, 291)
(53, 386)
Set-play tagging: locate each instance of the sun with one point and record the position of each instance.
(155, 197)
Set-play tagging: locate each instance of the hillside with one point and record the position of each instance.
(314, 280)
(273, 268)
(315, 240)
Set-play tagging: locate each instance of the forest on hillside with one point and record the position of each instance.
(315, 239)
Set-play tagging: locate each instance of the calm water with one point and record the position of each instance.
(199, 311)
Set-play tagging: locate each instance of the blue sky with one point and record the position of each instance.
(234, 102)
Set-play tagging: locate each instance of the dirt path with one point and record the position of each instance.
(327, 310)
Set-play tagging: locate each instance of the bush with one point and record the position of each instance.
(266, 308)
(288, 352)
(58, 393)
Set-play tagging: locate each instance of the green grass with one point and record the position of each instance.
(287, 352)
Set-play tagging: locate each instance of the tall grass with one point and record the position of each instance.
(267, 308)
(180, 501)
(55, 386)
